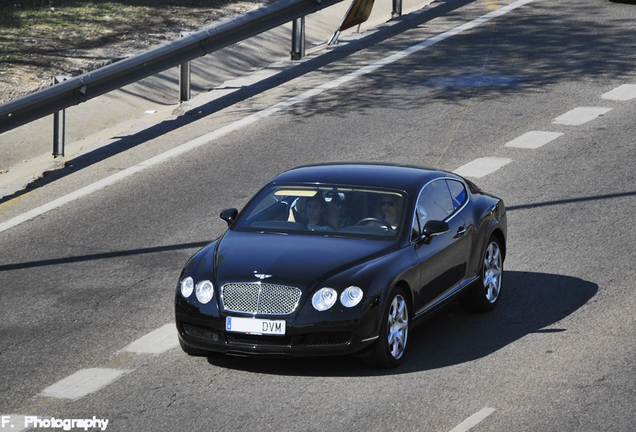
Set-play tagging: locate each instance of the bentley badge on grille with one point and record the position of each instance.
(262, 276)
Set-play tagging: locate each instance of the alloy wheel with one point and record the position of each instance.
(397, 326)
(492, 272)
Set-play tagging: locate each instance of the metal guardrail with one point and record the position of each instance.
(76, 90)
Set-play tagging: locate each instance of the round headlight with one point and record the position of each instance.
(324, 298)
(204, 291)
(351, 296)
(187, 286)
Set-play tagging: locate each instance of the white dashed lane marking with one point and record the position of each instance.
(482, 167)
(473, 420)
(580, 115)
(533, 139)
(83, 382)
(156, 342)
(622, 93)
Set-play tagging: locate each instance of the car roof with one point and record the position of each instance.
(408, 178)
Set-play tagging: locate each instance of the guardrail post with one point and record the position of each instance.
(184, 81)
(298, 38)
(59, 121)
(397, 8)
(185, 73)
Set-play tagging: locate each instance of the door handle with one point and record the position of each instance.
(461, 231)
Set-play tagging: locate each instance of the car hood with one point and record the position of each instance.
(302, 261)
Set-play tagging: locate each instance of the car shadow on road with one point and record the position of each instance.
(530, 303)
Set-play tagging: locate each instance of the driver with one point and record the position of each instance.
(340, 204)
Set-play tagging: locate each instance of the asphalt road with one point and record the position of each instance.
(83, 281)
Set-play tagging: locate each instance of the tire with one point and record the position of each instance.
(485, 294)
(196, 352)
(388, 351)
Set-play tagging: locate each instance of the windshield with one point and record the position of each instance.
(333, 210)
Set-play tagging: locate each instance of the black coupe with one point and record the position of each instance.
(342, 258)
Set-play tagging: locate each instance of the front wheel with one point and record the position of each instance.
(388, 352)
(484, 296)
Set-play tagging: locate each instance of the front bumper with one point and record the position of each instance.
(339, 332)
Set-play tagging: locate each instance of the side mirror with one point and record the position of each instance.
(434, 228)
(228, 215)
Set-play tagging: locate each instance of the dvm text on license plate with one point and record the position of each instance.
(255, 326)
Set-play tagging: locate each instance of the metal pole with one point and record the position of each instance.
(334, 38)
(397, 8)
(298, 38)
(185, 74)
(184, 82)
(59, 122)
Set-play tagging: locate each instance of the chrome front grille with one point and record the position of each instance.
(260, 298)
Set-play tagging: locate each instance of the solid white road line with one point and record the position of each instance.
(473, 420)
(533, 139)
(205, 139)
(83, 382)
(155, 342)
(622, 93)
(580, 115)
(482, 167)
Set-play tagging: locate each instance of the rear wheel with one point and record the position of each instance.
(389, 350)
(485, 295)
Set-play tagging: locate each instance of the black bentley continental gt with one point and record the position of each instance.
(342, 258)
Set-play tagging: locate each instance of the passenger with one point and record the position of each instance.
(316, 212)
(389, 210)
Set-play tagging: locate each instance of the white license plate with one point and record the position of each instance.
(255, 326)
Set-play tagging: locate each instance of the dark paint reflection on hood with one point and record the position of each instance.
(294, 260)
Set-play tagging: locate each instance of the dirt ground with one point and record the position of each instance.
(41, 39)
